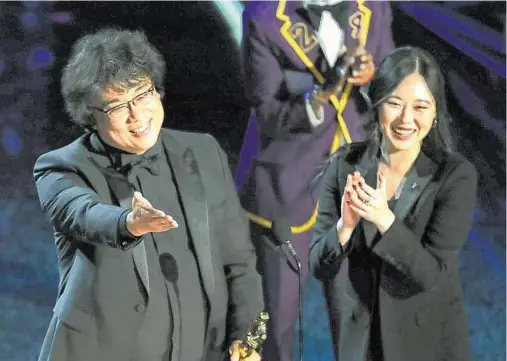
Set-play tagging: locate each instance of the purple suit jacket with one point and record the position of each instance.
(280, 56)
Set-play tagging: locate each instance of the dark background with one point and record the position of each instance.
(204, 92)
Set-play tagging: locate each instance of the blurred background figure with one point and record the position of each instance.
(201, 42)
(295, 60)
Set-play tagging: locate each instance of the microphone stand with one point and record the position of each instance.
(300, 308)
(297, 269)
(289, 253)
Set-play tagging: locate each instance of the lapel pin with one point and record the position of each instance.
(414, 185)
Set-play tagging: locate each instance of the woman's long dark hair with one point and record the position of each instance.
(396, 66)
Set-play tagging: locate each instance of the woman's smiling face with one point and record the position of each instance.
(407, 115)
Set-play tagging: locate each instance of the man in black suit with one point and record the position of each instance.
(153, 247)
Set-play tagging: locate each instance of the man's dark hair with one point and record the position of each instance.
(109, 57)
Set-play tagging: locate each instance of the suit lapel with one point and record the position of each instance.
(190, 188)
(359, 23)
(417, 180)
(123, 191)
(368, 167)
(300, 37)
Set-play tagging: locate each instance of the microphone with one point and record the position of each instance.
(281, 238)
(336, 77)
(282, 235)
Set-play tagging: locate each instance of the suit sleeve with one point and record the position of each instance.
(239, 261)
(75, 209)
(277, 112)
(426, 260)
(326, 252)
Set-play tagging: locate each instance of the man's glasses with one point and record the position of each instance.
(122, 111)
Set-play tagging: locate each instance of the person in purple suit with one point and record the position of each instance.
(305, 64)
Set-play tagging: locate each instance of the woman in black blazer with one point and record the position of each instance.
(394, 212)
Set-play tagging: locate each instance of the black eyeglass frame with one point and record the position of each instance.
(108, 111)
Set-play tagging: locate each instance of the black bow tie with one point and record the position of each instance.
(317, 10)
(339, 12)
(150, 163)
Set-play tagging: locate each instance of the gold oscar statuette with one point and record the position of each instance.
(256, 335)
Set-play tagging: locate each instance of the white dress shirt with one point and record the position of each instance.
(331, 39)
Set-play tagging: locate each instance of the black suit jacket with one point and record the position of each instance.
(104, 285)
(412, 270)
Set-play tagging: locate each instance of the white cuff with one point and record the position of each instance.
(312, 117)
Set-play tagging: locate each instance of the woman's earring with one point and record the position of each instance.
(435, 122)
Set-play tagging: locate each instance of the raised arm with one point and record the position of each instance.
(426, 260)
(326, 251)
(75, 209)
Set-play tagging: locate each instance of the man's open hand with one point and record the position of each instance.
(145, 219)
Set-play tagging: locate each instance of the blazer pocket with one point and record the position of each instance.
(74, 306)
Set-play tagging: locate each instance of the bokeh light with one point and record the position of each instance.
(11, 142)
(29, 19)
(40, 57)
(61, 17)
(31, 4)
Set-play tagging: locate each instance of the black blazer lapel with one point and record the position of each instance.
(417, 180)
(189, 183)
(368, 167)
(123, 191)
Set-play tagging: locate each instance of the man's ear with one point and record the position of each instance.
(92, 121)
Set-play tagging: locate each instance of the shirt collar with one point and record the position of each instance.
(320, 2)
(120, 158)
